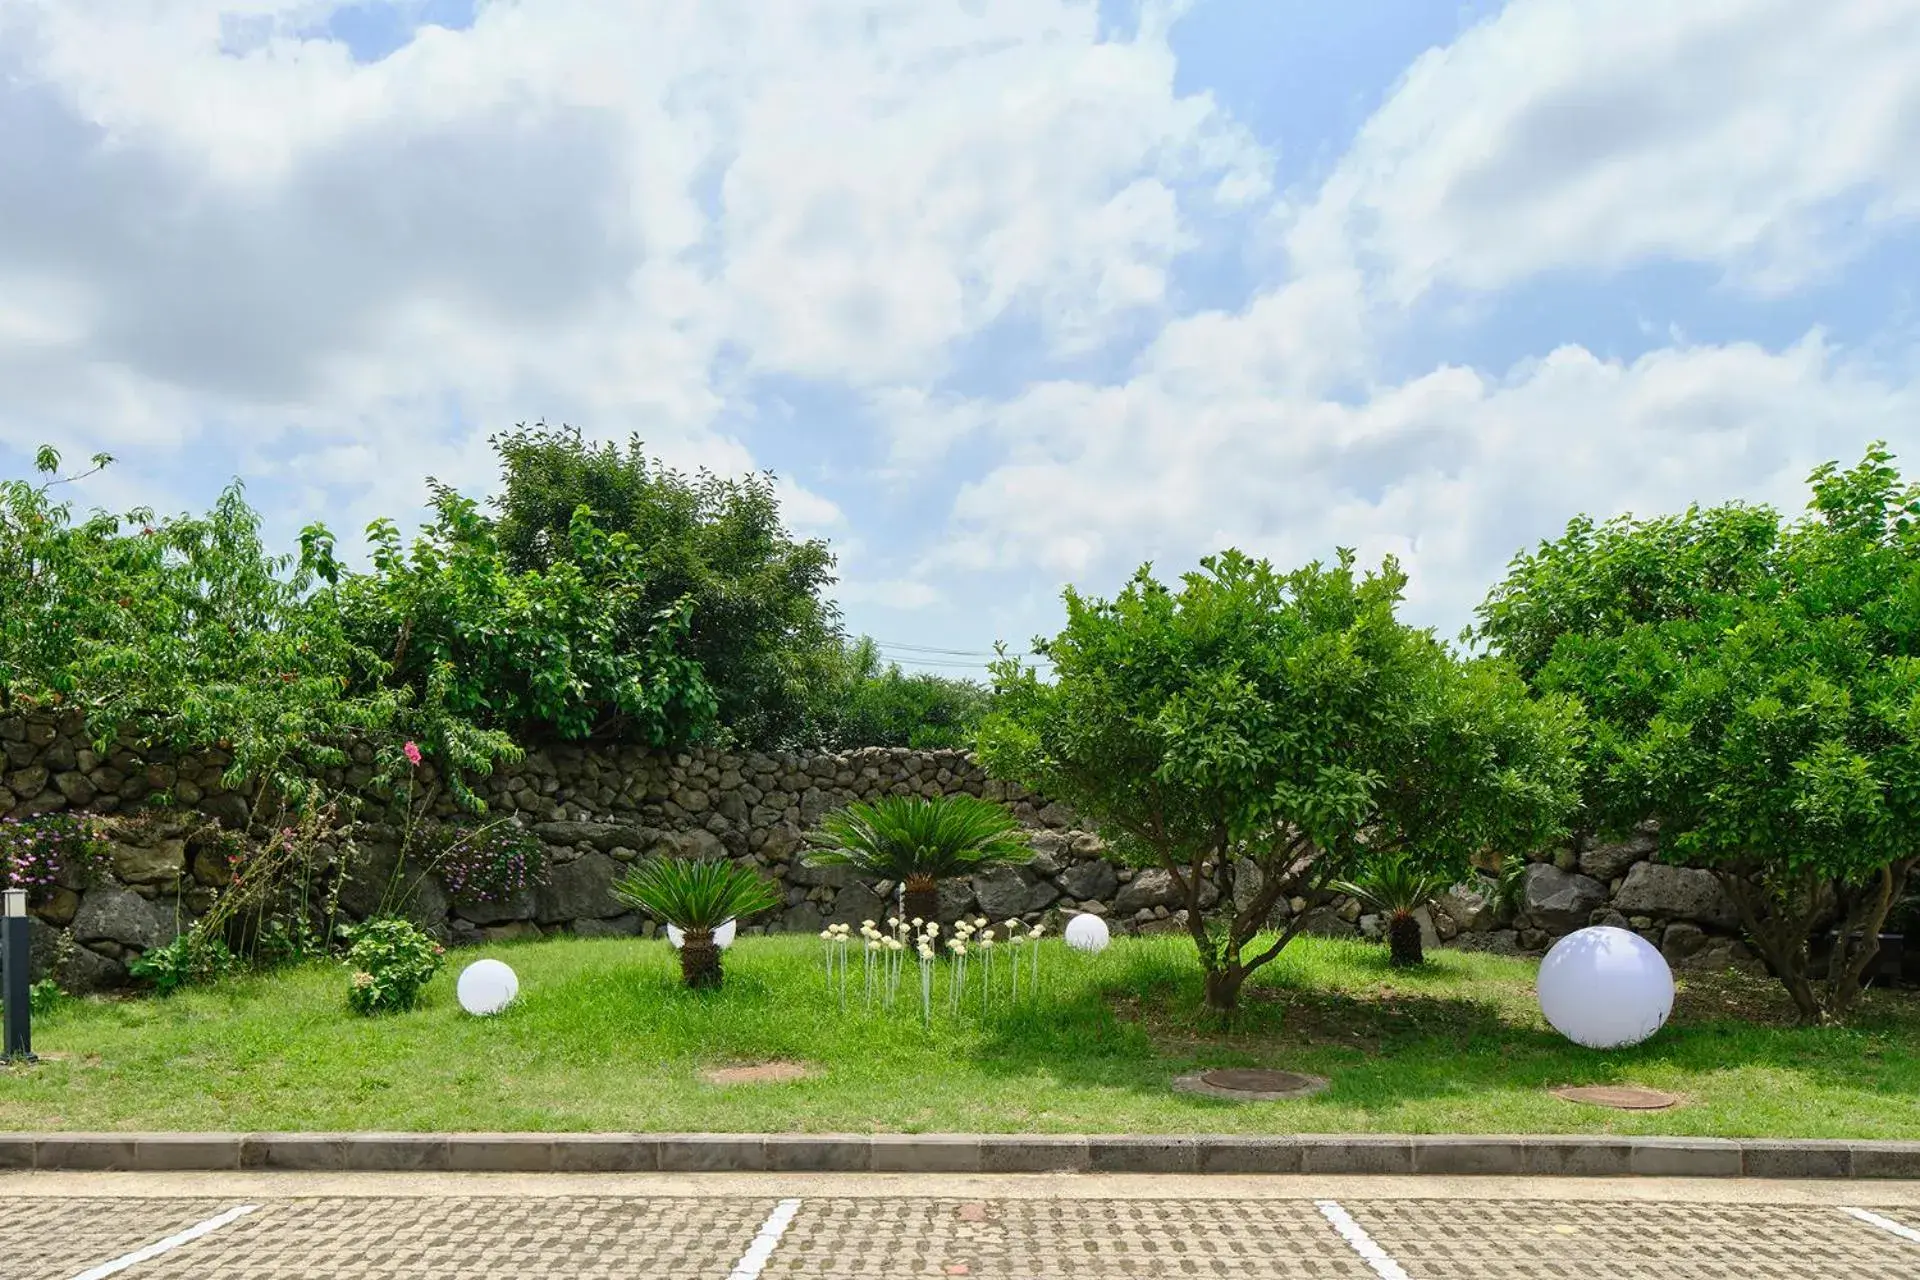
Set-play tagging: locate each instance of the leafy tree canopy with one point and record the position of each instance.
(758, 625)
(1754, 685)
(867, 703)
(529, 654)
(182, 626)
(1276, 732)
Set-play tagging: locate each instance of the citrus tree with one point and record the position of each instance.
(1285, 728)
(1754, 686)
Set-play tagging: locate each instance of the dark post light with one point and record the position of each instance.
(16, 1039)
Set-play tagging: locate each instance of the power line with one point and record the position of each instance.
(912, 661)
(922, 648)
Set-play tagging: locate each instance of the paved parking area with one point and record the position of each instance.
(383, 1227)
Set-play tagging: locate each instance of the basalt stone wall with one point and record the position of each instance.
(597, 810)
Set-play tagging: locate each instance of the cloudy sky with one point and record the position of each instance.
(1008, 293)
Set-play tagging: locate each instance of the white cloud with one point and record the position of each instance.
(1767, 137)
(1452, 471)
(224, 241)
(216, 229)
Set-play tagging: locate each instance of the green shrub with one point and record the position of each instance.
(391, 962)
(1397, 887)
(189, 960)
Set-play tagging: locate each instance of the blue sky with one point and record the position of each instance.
(1009, 293)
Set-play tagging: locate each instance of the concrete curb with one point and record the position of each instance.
(956, 1153)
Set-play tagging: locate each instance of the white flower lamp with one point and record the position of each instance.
(722, 937)
(1605, 988)
(486, 987)
(1088, 933)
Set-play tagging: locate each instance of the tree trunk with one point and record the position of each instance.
(1780, 929)
(699, 959)
(1223, 989)
(1859, 941)
(921, 900)
(1404, 947)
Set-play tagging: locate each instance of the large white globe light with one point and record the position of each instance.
(486, 987)
(1605, 988)
(722, 937)
(1088, 933)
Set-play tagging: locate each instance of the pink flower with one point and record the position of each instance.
(412, 753)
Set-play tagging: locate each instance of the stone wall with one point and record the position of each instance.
(596, 811)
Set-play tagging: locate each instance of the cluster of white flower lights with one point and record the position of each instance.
(975, 950)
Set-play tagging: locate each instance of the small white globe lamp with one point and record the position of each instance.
(486, 987)
(722, 937)
(1088, 933)
(1605, 988)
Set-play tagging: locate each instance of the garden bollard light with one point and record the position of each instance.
(16, 1040)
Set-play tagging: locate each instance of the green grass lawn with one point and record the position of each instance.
(603, 1039)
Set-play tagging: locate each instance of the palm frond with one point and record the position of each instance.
(904, 837)
(695, 894)
(1395, 885)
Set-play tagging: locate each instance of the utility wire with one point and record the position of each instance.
(922, 648)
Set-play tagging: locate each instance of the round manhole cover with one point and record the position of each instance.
(1619, 1097)
(1250, 1084)
(1251, 1080)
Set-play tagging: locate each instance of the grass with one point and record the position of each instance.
(603, 1039)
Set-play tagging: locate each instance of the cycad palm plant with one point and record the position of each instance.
(697, 896)
(1398, 887)
(919, 843)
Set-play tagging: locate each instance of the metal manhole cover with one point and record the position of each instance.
(1619, 1097)
(1250, 1084)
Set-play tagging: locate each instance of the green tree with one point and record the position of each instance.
(758, 625)
(183, 629)
(1754, 686)
(523, 654)
(869, 703)
(1282, 730)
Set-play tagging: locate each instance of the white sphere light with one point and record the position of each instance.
(486, 987)
(1605, 988)
(1088, 933)
(722, 937)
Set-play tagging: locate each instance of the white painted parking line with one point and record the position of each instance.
(172, 1242)
(1885, 1224)
(755, 1258)
(1360, 1242)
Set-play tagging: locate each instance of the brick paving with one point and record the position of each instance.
(600, 1237)
(1045, 1239)
(1534, 1240)
(62, 1238)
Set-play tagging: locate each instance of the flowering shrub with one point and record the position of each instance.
(37, 854)
(391, 962)
(488, 863)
